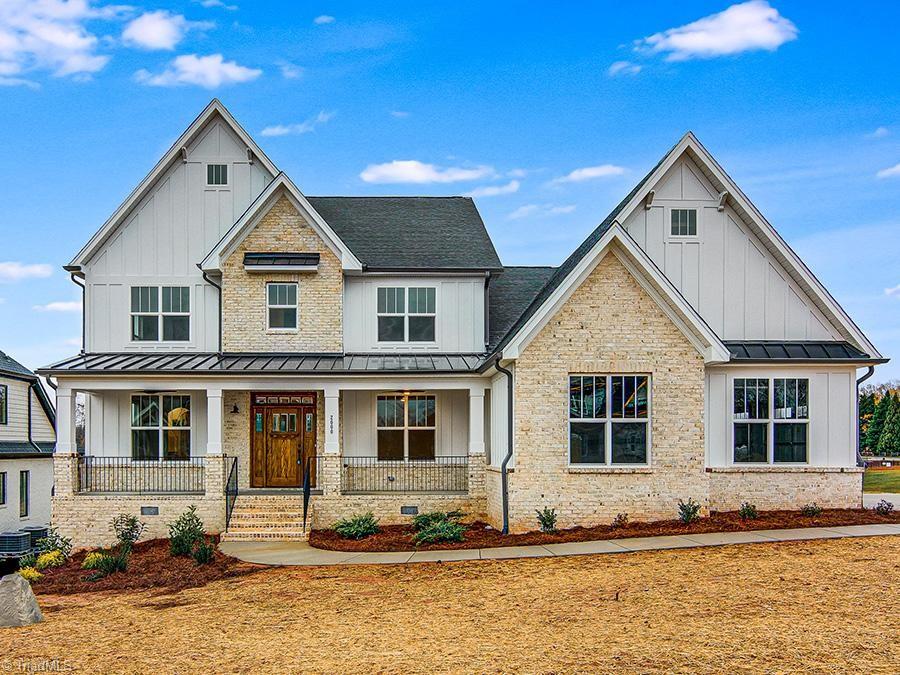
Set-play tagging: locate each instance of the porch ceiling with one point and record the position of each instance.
(267, 364)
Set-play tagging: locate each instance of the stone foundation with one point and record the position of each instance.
(785, 488)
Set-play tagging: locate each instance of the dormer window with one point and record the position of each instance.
(217, 174)
(684, 223)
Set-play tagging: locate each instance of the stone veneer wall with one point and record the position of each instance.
(86, 517)
(320, 294)
(608, 325)
(785, 488)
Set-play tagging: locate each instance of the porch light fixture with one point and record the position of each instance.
(234, 409)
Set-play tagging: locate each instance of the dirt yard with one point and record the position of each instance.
(826, 606)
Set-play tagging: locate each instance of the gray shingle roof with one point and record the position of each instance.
(13, 367)
(9, 449)
(424, 233)
(510, 294)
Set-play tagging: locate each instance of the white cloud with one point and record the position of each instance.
(290, 71)
(50, 35)
(72, 342)
(517, 173)
(747, 26)
(16, 271)
(623, 68)
(894, 292)
(323, 19)
(890, 172)
(159, 30)
(204, 71)
(540, 209)
(295, 129)
(216, 3)
(399, 114)
(494, 190)
(413, 171)
(880, 132)
(60, 306)
(590, 173)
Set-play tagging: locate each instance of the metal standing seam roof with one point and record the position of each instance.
(795, 350)
(281, 259)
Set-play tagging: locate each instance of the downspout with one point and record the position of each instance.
(504, 481)
(219, 291)
(869, 373)
(83, 310)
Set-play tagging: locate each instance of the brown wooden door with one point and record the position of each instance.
(283, 446)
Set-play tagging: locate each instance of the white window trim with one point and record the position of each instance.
(161, 428)
(4, 412)
(227, 182)
(406, 314)
(27, 501)
(406, 427)
(295, 307)
(609, 421)
(769, 422)
(4, 489)
(680, 206)
(159, 314)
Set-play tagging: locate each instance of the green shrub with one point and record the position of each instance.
(92, 560)
(27, 561)
(109, 563)
(49, 559)
(621, 520)
(30, 574)
(546, 519)
(748, 511)
(204, 550)
(689, 511)
(54, 541)
(440, 531)
(884, 507)
(358, 526)
(811, 510)
(426, 520)
(128, 530)
(185, 532)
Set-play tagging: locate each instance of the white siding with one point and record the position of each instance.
(358, 423)
(725, 272)
(832, 412)
(499, 400)
(16, 428)
(41, 483)
(459, 305)
(165, 236)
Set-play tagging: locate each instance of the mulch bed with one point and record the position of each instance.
(150, 567)
(481, 535)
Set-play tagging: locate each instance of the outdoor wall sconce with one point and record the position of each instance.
(234, 409)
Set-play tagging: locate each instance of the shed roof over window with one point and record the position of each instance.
(793, 351)
(304, 262)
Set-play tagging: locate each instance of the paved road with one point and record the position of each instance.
(870, 499)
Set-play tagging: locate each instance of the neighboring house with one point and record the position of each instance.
(26, 448)
(379, 347)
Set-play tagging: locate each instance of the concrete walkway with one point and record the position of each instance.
(870, 499)
(301, 553)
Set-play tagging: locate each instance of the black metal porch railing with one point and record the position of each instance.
(366, 475)
(124, 475)
(231, 486)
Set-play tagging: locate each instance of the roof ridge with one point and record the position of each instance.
(387, 197)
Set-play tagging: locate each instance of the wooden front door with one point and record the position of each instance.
(283, 440)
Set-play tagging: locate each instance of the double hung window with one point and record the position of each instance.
(406, 425)
(769, 429)
(609, 419)
(160, 427)
(166, 321)
(406, 314)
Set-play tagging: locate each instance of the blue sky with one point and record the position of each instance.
(549, 112)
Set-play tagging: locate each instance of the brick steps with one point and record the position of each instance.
(267, 518)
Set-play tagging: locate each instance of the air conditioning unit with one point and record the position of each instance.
(14, 543)
(37, 532)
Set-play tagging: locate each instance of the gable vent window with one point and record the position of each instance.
(217, 174)
(684, 222)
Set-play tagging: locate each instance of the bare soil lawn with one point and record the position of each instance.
(822, 606)
(882, 480)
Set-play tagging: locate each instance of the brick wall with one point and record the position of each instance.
(785, 488)
(320, 294)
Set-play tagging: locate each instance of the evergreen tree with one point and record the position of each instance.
(889, 441)
(866, 410)
(873, 433)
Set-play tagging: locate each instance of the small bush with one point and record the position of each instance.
(128, 530)
(689, 511)
(426, 520)
(109, 563)
(49, 559)
(27, 561)
(884, 507)
(54, 541)
(748, 511)
(204, 550)
(620, 521)
(811, 510)
(440, 531)
(357, 527)
(547, 519)
(92, 560)
(30, 575)
(185, 532)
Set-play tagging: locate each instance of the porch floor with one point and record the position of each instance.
(301, 553)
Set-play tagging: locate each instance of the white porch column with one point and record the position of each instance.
(476, 420)
(65, 421)
(332, 420)
(214, 411)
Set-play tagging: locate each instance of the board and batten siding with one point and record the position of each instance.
(16, 428)
(832, 412)
(499, 412)
(164, 237)
(725, 272)
(459, 309)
